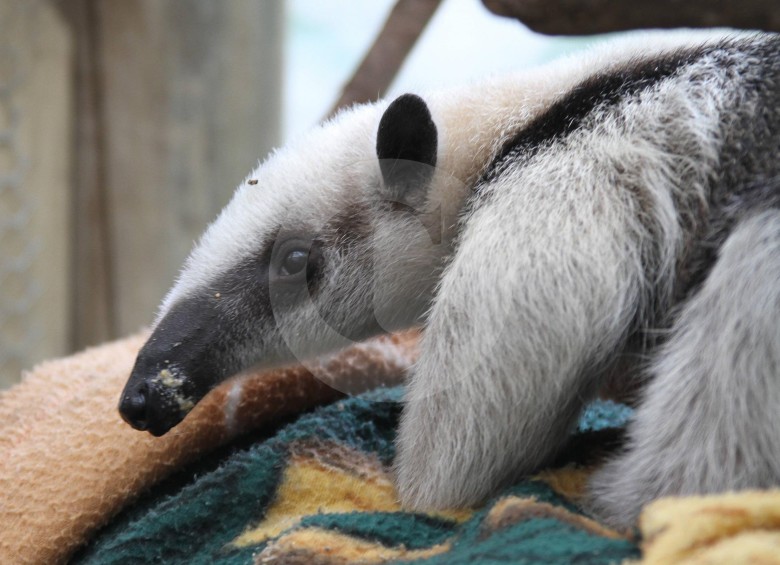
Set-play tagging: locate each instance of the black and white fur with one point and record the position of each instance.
(547, 228)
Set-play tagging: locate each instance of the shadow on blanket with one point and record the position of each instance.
(241, 481)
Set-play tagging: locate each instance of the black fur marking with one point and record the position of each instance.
(406, 146)
(203, 338)
(723, 218)
(748, 178)
(407, 132)
(568, 114)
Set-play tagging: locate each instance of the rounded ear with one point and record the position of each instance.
(406, 145)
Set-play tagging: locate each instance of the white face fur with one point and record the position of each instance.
(330, 179)
(335, 239)
(376, 260)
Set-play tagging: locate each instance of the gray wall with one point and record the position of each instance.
(136, 119)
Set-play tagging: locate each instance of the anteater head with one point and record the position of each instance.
(333, 239)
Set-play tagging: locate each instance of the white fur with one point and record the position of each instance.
(492, 399)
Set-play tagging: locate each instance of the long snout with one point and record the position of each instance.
(181, 362)
(156, 399)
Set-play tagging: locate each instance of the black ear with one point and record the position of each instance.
(406, 144)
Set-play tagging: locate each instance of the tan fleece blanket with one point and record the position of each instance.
(69, 463)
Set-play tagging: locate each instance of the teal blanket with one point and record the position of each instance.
(317, 491)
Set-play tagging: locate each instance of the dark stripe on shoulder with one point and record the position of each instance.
(567, 114)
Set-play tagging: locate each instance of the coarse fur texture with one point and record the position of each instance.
(715, 387)
(544, 227)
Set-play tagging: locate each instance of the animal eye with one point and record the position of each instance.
(294, 262)
(297, 260)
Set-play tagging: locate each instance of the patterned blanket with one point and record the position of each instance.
(258, 474)
(318, 492)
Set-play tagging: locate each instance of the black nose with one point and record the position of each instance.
(134, 407)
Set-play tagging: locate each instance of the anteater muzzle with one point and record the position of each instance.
(178, 365)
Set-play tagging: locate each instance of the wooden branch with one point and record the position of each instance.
(584, 17)
(403, 27)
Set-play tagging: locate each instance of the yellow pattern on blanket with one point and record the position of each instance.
(731, 528)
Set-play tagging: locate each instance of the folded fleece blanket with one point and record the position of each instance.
(246, 479)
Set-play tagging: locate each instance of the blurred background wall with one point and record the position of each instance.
(124, 127)
(35, 100)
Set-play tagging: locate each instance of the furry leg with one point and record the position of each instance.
(710, 420)
(514, 346)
